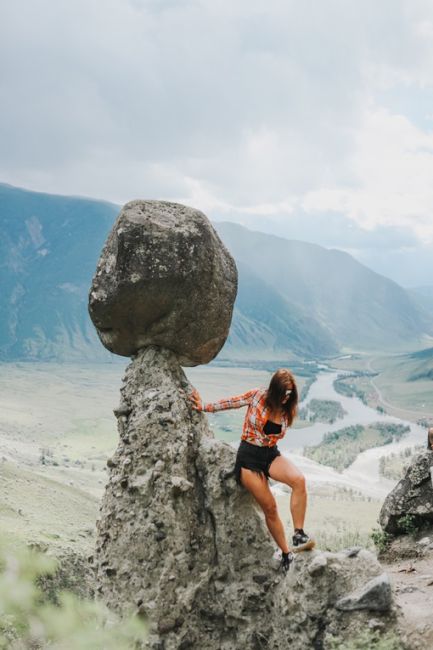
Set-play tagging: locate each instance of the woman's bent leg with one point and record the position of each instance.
(284, 471)
(259, 488)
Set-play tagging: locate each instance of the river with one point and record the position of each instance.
(363, 474)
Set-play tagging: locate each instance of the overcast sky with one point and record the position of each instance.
(310, 119)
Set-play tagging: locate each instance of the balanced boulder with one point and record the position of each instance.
(164, 278)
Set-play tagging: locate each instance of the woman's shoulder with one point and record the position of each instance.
(260, 393)
(256, 394)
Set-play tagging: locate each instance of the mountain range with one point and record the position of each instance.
(295, 299)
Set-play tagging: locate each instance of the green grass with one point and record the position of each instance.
(337, 517)
(37, 508)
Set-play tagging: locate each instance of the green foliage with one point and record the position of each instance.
(341, 538)
(381, 539)
(348, 433)
(27, 620)
(323, 410)
(346, 385)
(340, 448)
(368, 640)
(408, 524)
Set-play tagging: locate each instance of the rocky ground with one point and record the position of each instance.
(413, 588)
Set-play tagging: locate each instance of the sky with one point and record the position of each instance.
(312, 120)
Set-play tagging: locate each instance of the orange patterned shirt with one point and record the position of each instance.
(255, 417)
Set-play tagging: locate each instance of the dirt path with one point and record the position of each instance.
(413, 583)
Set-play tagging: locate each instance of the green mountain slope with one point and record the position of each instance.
(48, 252)
(357, 307)
(266, 325)
(420, 365)
(295, 299)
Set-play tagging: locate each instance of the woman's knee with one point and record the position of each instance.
(270, 509)
(299, 483)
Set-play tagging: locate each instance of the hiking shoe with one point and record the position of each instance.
(286, 560)
(302, 541)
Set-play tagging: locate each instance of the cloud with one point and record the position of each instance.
(257, 110)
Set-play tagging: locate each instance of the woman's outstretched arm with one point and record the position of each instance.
(235, 402)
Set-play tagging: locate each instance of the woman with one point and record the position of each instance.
(270, 413)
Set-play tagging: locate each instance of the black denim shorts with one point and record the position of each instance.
(256, 458)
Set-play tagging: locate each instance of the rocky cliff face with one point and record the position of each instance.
(177, 540)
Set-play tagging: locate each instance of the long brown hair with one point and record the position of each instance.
(281, 381)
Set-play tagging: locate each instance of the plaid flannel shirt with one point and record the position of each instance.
(255, 417)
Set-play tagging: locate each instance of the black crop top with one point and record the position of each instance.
(271, 428)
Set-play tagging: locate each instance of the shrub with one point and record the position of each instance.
(408, 524)
(27, 620)
(381, 539)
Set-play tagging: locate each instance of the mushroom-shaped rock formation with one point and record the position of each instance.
(164, 278)
(178, 541)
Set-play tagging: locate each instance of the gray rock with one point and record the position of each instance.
(318, 565)
(189, 550)
(375, 595)
(164, 278)
(352, 551)
(375, 624)
(413, 495)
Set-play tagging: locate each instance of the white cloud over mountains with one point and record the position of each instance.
(254, 110)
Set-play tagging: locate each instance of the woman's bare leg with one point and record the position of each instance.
(284, 471)
(259, 488)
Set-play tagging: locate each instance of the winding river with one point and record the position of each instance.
(363, 474)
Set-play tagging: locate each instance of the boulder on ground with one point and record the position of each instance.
(164, 278)
(375, 595)
(411, 501)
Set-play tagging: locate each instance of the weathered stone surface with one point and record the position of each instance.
(413, 495)
(190, 551)
(375, 595)
(318, 565)
(164, 278)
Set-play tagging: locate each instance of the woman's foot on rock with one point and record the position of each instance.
(286, 560)
(302, 541)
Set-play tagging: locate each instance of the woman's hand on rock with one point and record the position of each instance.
(196, 402)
